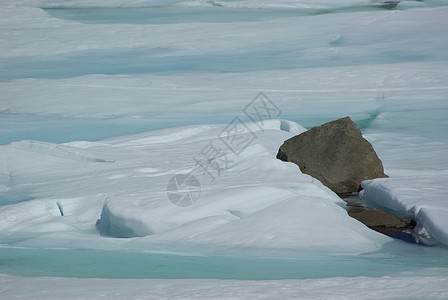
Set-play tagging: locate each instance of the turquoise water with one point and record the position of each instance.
(141, 60)
(430, 123)
(172, 15)
(12, 197)
(176, 15)
(121, 264)
(62, 129)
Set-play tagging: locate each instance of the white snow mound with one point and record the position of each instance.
(242, 196)
(420, 197)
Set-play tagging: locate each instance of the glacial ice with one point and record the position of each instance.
(317, 60)
(254, 195)
(385, 287)
(419, 197)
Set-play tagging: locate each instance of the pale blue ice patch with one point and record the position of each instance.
(140, 60)
(61, 129)
(211, 14)
(421, 118)
(171, 15)
(125, 264)
(320, 51)
(13, 197)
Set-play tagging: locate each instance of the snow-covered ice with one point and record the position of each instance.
(101, 106)
(422, 197)
(328, 288)
(251, 200)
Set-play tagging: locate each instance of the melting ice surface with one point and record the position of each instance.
(128, 91)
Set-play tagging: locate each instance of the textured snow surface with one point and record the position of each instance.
(158, 3)
(72, 81)
(252, 200)
(328, 288)
(419, 197)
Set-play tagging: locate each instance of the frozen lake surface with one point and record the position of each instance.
(84, 263)
(102, 103)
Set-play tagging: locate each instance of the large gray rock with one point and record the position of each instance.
(336, 154)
